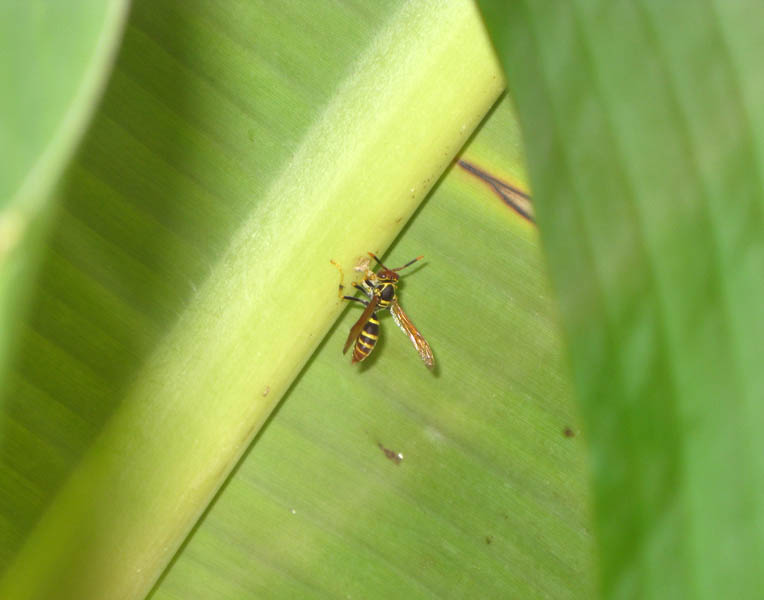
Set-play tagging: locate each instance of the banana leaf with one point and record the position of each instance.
(187, 281)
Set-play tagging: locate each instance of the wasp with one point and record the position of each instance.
(380, 288)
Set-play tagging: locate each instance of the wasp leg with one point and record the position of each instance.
(341, 287)
(365, 289)
(364, 302)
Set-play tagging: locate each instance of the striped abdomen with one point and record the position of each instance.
(367, 339)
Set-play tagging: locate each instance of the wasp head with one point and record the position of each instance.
(385, 275)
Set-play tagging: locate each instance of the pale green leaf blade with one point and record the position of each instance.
(490, 497)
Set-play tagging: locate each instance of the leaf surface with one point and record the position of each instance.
(188, 279)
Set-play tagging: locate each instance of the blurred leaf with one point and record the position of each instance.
(54, 60)
(644, 131)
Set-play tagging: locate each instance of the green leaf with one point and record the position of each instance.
(188, 277)
(490, 496)
(644, 134)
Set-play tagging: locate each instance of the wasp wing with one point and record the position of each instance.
(421, 345)
(371, 306)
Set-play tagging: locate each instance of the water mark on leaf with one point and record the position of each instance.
(517, 199)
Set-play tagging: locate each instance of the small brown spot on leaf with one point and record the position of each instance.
(392, 455)
(568, 432)
(488, 540)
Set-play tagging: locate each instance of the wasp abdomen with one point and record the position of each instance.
(366, 339)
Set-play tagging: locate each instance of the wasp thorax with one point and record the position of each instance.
(387, 293)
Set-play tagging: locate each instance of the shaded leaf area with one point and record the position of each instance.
(386, 480)
(644, 148)
(165, 175)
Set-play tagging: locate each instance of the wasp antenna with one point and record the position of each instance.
(379, 262)
(408, 264)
